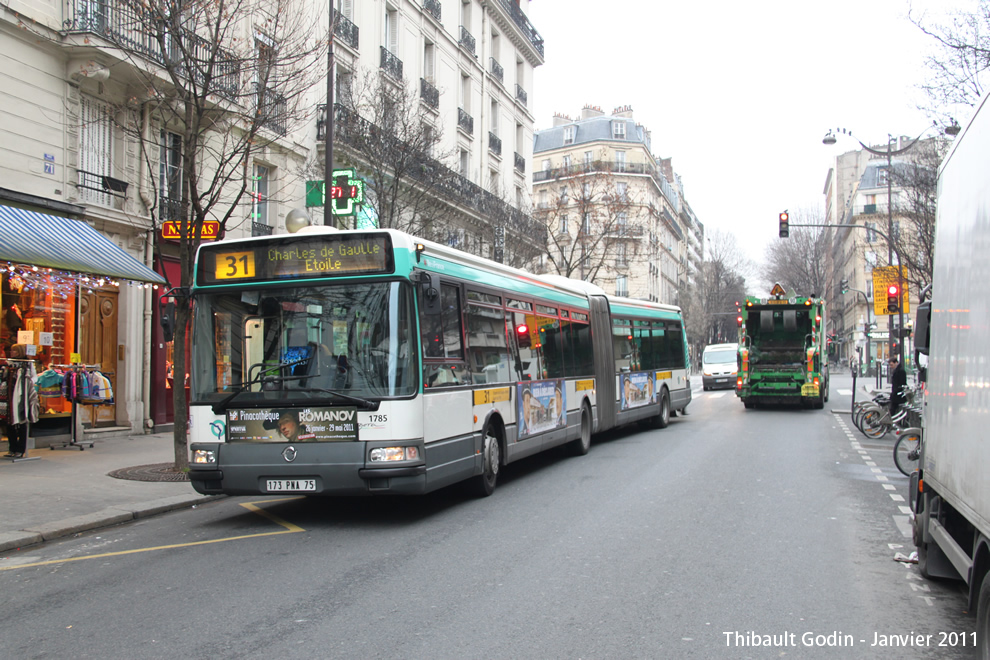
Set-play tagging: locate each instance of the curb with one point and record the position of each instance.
(105, 518)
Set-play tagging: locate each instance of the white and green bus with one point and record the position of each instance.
(370, 362)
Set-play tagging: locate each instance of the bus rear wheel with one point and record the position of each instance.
(582, 444)
(483, 484)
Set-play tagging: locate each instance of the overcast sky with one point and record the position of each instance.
(739, 94)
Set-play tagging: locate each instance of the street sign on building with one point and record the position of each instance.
(883, 278)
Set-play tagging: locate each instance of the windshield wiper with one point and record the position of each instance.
(365, 404)
(221, 406)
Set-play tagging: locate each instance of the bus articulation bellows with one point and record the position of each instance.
(370, 362)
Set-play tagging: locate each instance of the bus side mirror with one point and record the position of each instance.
(921, 326)
(430, 293)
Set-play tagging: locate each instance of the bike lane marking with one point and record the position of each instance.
(289, 528)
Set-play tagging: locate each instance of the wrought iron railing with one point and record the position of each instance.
(525, 26)
(391, 64)
(103, 185)
(139, 31)
(273, 111)
(519, 162)
(433, 8)
(465, 121)
(521, 94)
(494, 144)
(497, 72)
(467, 40)
(345, 30)
(429, 93)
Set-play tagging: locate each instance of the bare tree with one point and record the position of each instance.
(395, 146)
(720, 287)
(214, 93)
(957, 70)
(914, 233)
(592, 222)
(799, 262)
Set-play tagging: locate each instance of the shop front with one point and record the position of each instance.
(73, 302)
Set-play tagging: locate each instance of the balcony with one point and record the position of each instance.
(345, 30)
(432, 7)
(465, 122)
(466, 41)
(429, 94)
(521, 94)
(626, 231)
(496, 69)
(520, 19)
(391, 64)
(272, 111)
(494, 144)
(131, 29)
(519, 162)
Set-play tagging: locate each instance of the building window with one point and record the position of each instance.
(563, 195)
(465, 162)
(95, 150)
(618, 130)
(259, 195)
(620, 190)
(569, 134)
(567, 162)
(620, 161)
(588, 157)
(546, 165)
(563, 224)
(871, 232)
(620, 254)
(543, 198)
(429, 61)
(586, 223)
(621, 286)
(170, 175)
(881, 176)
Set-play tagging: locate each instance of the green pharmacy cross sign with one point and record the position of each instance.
(346, 192)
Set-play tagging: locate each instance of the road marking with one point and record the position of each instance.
(250, 506)
(845, 392)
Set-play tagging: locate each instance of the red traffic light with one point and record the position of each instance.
(739, 321)
(522, 328)
(892, 290)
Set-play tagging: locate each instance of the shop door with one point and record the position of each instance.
(98, 345)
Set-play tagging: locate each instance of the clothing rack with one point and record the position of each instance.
(27, 434)
(73, 440)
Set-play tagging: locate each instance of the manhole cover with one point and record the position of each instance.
(156, 472)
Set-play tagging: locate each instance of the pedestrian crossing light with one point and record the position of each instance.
(893, 298)
(785, 228)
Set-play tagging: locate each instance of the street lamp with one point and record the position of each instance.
(889, 153)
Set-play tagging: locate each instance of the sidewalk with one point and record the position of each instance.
(68, 491)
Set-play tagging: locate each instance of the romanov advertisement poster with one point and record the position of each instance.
(541, 406)
(292, 425)
(638, 389)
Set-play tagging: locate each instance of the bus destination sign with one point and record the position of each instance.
(294, 257)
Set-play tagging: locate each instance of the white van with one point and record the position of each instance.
(718, 366)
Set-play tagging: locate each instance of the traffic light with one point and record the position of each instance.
(893, 298)
(785, 227)
(844, 287)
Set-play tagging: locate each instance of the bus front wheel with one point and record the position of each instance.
(483, 484)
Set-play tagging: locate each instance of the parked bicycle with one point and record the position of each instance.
(907, 450)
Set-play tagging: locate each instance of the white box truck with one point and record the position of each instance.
(951, 490)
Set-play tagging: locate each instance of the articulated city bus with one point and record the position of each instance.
(369, 362)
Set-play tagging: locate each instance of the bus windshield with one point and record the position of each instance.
(296, 343)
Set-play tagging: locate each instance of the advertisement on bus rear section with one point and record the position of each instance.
(542, 406)
(638, 389)
(292, 425)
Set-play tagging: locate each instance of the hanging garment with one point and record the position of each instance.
(5, 390)
(50, 383)
(24, 403)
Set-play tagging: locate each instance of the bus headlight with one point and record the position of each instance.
(204, 456)
(386, 454)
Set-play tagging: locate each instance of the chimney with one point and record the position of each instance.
(560, 119)
(623, 111)
(589, 111)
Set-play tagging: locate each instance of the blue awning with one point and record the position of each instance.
(38, 239)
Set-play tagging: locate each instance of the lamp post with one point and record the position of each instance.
(889, 153)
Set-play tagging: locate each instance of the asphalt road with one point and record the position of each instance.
(728, 528)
